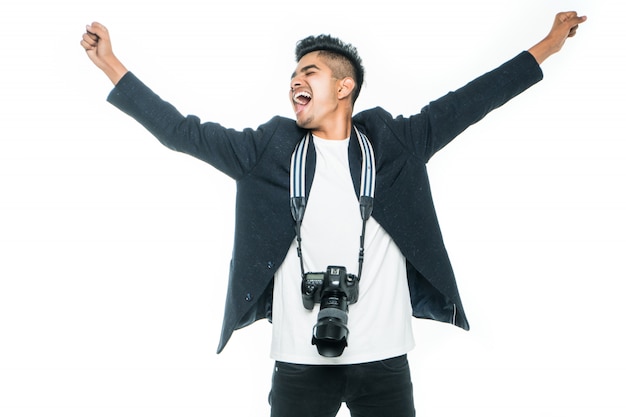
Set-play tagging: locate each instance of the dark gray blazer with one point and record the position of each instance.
(258, 159)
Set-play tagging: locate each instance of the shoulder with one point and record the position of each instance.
(380, 123)
(281, 123)
(372, 115)
(373, 121)
(281, 128)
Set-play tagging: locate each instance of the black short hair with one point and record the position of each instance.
(335, 49)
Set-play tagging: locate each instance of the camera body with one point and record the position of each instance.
(317, 285)
(334, 290)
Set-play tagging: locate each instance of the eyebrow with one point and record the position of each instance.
(305, 69)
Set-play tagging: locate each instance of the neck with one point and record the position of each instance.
(338, 128)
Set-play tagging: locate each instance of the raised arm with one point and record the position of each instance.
(97, 44)
(564, 26)
(233, 152)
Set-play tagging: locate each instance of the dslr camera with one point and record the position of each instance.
(334, 290)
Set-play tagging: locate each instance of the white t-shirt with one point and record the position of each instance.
(380, 322)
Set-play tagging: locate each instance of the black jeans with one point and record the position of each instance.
(375, 389)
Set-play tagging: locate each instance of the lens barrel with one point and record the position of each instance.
(330, 334)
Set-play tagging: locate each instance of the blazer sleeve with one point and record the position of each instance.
(444, 119)
(233, 152)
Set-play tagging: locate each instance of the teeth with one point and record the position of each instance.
(298, 95)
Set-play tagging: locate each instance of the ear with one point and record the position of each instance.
(346, 87)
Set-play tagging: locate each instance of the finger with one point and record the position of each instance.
(574, 20)
(574, 25)
(98, 29)
(92, 35)
(570, 18)
(90, 39)
(87, 46)
(567, 15)
(88, 36)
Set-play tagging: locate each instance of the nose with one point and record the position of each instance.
(295, 83)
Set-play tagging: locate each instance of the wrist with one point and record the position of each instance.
(542, 50)
(115, 70)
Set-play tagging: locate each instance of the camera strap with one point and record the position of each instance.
(298, 189)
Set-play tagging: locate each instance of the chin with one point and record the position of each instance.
(304, 123)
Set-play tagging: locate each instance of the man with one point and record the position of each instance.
(334, 209)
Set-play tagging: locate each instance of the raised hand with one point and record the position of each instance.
(97, 44)
(564, 26)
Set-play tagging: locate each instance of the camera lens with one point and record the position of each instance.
(330, 334)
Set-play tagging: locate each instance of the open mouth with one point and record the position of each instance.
(301, 99)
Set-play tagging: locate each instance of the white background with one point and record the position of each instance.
(114, 251)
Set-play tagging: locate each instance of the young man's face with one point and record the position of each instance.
(314, 92)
